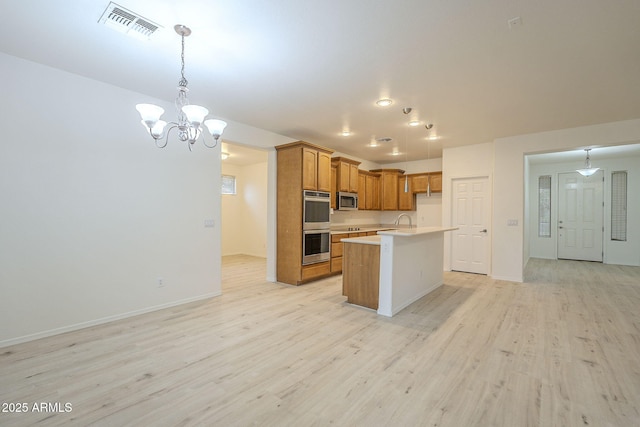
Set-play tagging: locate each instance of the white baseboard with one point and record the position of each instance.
(95, 322)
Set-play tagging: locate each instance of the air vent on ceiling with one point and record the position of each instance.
(128, 22)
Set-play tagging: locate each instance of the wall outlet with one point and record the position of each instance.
(161, 282)
(209, 223)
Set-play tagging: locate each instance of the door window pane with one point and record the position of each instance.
(619, 206)
(544, 206)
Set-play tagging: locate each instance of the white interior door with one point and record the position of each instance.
(471, 242)
(580, 216)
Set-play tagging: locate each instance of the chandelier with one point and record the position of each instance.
(190, 117)
(587, 170)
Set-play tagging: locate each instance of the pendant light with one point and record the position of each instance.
(406, 111)
(587, 170)
(428, 127)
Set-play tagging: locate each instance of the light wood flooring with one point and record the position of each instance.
(561, 349)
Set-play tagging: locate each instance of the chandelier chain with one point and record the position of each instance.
(183, 81)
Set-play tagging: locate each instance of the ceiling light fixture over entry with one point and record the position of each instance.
(587, 170)
(190, 117)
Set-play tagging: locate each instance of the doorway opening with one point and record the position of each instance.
(243, 206)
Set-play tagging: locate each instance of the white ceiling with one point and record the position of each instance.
(309, 70)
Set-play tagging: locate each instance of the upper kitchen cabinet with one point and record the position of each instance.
(389, 179)
(316, 166)
(368, 191)
(347, 174)
(334, 177)
(420, 180)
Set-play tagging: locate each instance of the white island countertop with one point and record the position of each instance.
(415, 231)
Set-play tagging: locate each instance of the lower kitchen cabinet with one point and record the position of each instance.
(337, 247)
(315, 270)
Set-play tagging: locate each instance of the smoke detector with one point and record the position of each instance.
(128, 22)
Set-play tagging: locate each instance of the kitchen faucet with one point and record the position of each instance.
(400, 216)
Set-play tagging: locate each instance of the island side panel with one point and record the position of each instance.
(360, 274)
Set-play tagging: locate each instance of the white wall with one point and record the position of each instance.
(244, 220)
(615, 252)
(92, 213)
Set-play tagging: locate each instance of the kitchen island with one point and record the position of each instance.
(409, 266)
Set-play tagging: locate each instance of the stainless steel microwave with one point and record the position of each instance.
(347, 201)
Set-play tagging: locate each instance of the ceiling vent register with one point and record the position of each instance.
(128, 22)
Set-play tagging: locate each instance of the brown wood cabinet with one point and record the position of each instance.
(316, 169)
(301, 166)
(420, 180)
(324, 170)
(389, 188)
(362, 186)
(337, 248)
(368, 191)
(373, 192)
(334, 178)
(347, 174)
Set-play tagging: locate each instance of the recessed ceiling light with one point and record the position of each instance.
(345, 133)
(395, 152)
(385, 102)
(433, 137)
(414, 123)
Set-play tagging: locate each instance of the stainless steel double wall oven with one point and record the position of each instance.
(316, 242)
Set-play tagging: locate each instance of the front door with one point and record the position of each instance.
(580, 216)
(471, 242)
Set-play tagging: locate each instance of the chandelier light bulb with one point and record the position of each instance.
(195, 114)
(216, 127)
(149, 113)
(158, 129)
